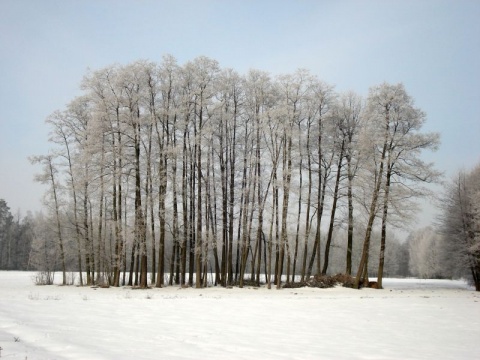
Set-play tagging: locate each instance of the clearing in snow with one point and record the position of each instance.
(409, 319)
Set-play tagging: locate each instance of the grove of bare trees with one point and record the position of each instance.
(451, 248)
(460, 227)
(190, 174)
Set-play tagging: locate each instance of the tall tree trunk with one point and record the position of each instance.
(270, 235)
(213, 216)
(241, 240)
(260, 201)
(348, 269)
(322, 182)
(363, 265)
(384, 225)
(162, 193)
(316, 245)
(101, 243)
(224, 187)
(117, 214)
(287, 175)
(191, 223)
(186, 234)
(299, 212)
(231, 212)
(92, 242)
(199, 239)
(332, 214)
(309, 202)
(176, 232)
(59, 228)
(149, 201)
(140, 229)
(75, 213)
(176, 240)
(86, 233)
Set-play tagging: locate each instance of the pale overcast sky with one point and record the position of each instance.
(433, 47)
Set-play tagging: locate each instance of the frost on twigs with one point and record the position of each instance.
(324, 281)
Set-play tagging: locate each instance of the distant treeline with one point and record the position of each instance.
(16, 236)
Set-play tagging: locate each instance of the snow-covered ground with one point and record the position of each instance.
(409, 319)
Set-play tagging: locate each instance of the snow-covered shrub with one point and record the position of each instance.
(43, 278)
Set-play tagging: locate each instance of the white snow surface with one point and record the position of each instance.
(409, 319)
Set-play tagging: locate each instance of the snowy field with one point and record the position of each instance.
(409, 319)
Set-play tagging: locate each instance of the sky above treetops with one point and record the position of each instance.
(431, 46)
